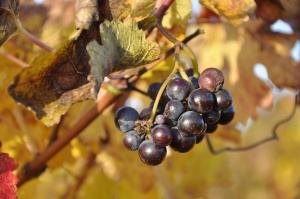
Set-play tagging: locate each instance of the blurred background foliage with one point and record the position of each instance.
(261, 67)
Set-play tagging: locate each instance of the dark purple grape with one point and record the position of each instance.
(191, 123)
(151, 154)
(211, 79)
(201, 100)
(178, 89)
(153, 90)
(132, 140)
(227, 115)
(199, 138)
(189, 72)
(145, 113)
(160, 108)
(212, 117)
(173, 109)
(194, 81)
(224, 99)
(182, 143)
(160, 119)
(161, 135)
(211, 128)
(125, 118)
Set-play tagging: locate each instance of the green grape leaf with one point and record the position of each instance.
(87, 12)
(142, 8)
(119, 9)
(147, 23)
(234, 11)
(123, 46)
(178, 14)
(8, 10)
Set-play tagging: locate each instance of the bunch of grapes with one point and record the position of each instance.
(186, 111)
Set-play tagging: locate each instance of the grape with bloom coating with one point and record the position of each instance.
(178, 89)
(161, 135)
(201, 101)
(224, 99)
(191, 123)
(160, 119)
(227, 116)
(151, 154)
(125, 118)
(173, 109)
(212, 117)
(132, 140)
(211, 79)
(182, 143)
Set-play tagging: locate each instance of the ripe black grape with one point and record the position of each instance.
(194, 81)
(153, 90)
(178, 89)
(182, 143)
(211, 79)
(132, 140)
(125, 118)
(227, 115)
(185, 113)
(191, 123)
(212, 117)
(145, 113)
(151, 154)
(189, 72)
(199, 138)
(201, 100)
(224, 99)
(173, 109)
(160, 119)
(211, 128)
(161, 135)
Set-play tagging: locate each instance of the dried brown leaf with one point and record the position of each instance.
(9, 9)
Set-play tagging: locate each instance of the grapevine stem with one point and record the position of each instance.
(161, 91)
(31, 37)
(168, 35)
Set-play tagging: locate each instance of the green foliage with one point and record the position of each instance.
(123, 46)
(178, 14)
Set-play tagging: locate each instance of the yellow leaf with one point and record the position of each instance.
(235, 11)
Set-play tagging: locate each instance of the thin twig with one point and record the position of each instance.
(31, 169)
(90, 162)
(161, 8)
(14, 59)
(273, 137)
(32, 38)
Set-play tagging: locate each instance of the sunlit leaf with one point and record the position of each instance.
(87, 12)
(234, 11)
(142, 8)
(178, 14)
(123, 46)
